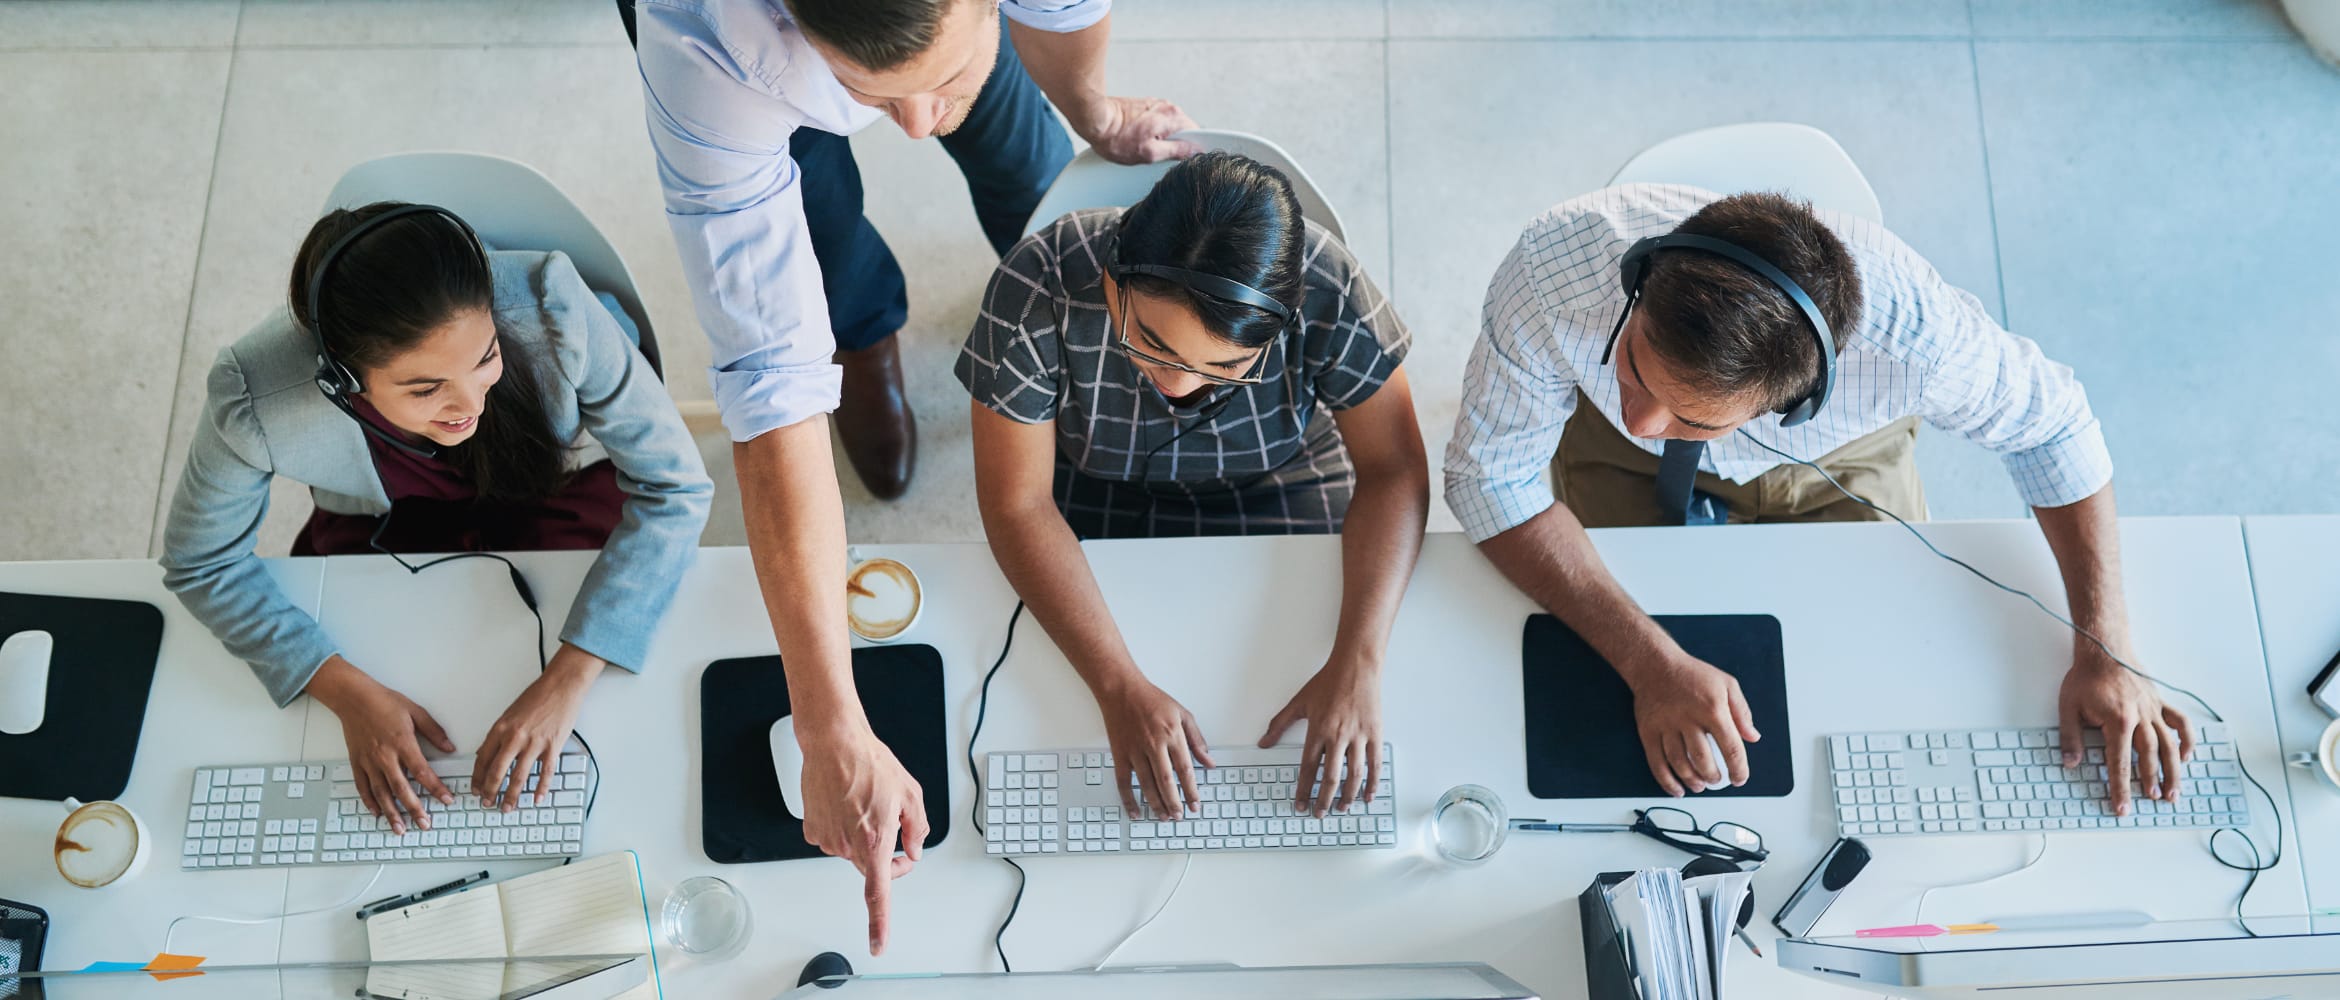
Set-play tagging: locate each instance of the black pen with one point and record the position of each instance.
(1547, 826)
(394, 902)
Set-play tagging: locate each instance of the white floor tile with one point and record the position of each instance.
(71, 24)
(1514, 19)
(2167, 230)
(102, 222)
(298, 118)
(1904, 110)
(2192, 19)
(429, 22)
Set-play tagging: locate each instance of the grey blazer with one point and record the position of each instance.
(266, 418)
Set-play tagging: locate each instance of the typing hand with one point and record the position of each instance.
(857, 801)
(533, 730)
(1342, 704)
(1678, 702)
(1132, 130)
(2101, 694)
(1156, 738)
(380, 726)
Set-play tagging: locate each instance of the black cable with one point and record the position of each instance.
(975, 808)
(2260, 863)
(527, 598)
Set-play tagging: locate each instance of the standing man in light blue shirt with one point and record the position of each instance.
(749, 103)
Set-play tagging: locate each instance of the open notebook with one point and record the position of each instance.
(588, 907)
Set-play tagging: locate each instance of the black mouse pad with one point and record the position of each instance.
(101, 667)
(743, 818)
(1581, 740)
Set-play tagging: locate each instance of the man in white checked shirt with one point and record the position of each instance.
(1710, 352)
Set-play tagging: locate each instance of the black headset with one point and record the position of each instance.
(1224, 289)
(335, 379)
(1634, 269)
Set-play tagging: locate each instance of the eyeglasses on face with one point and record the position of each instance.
(1121, 340)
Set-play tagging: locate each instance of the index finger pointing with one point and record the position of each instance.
(877, 885)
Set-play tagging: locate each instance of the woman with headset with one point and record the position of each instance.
(1204, 363)
(436, 397)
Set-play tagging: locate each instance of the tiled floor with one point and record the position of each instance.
(2148, 187)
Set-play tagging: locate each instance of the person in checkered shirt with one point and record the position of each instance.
(1204, 363)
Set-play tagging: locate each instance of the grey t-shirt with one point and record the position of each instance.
(1043, 348)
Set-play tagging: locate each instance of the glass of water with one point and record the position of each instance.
(706, 917)
(1468, 825)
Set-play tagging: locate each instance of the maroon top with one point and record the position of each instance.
(434, 508)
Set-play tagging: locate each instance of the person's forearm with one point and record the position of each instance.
(1553, 561)
(573, 667)
(796, 536)
(1381, 540)
(1043, 561)
(1069, 66)
(2086, 540)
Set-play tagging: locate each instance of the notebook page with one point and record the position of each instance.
(464, 925)
(589, 907)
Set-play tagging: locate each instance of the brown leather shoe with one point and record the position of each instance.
(874, 420)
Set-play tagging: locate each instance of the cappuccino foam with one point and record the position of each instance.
(96, 845)
(881, 598)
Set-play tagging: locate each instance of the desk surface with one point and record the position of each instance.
(1879, 635)
(2292, 560)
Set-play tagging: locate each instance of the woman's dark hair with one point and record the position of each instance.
(393, 288)
(1222, 214)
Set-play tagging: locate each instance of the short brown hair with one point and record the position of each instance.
(1730, 332)
(876, 34)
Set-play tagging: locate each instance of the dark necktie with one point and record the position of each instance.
(1677, 480)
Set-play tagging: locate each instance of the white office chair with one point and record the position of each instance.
(1759, 156)
(1092, 181)
(511, 206)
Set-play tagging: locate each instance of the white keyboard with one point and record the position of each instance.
(276, 815)
(1065, 802)
(2014, 781)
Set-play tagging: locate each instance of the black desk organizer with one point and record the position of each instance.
(100, 672)
(742, 816)
(1608, 970)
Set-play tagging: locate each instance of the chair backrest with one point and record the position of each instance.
(1092, 181)
(510, 205)
(1759, 156)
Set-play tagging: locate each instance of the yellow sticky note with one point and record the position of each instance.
(167, 962)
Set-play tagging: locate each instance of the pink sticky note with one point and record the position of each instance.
(1907, 931)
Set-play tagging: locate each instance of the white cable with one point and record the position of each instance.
(173, 929)
(1920, 917)
(1148, 922)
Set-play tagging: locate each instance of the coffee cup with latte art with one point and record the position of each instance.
(882, 599)
(100, 843)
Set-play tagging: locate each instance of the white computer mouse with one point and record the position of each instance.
(788, 762)
(24, 680)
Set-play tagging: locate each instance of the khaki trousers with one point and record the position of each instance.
(1607, 481)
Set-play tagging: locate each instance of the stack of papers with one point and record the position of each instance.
(1677, 932)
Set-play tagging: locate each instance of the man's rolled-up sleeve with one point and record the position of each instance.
(2002, 392)
(736, 208)
(1056, 15)
(1517, 397)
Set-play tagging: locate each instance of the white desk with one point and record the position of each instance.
(1879, 635)
(205, 707)
(2292, 569)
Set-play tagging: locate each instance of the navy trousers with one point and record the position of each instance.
(1010, 149)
